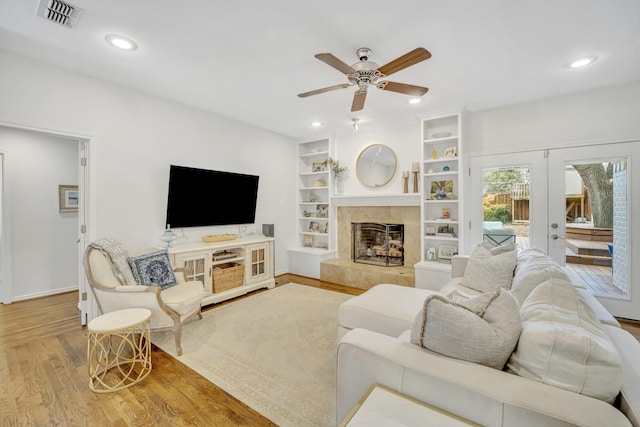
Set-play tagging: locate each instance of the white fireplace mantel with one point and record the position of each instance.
(402, 199)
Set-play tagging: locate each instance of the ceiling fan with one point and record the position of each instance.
(365, 73)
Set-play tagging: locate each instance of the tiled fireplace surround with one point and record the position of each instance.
(344, 271)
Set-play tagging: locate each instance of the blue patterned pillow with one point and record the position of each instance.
(153, 269)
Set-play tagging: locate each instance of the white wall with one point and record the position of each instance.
(403, 140)
(602, 115)
(609, 114)
(45, 254)
(137, 136)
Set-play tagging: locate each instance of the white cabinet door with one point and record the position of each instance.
(197, 266)
(257, 263)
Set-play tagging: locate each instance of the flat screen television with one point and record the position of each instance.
(202, 197)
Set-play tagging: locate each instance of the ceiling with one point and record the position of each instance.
(248, 59)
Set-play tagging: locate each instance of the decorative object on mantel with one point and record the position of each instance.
(405, 179)
(168, 236)
(415, 168)
(337, 171)
(376, 165)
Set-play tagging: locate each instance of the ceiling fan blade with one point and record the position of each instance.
(407, 89)
(416, 55)
(323, 90)
(329, 59)
(358, 100)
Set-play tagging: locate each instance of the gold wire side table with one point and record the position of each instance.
(118, 349)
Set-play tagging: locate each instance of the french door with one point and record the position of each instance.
(608, 227)
(558, 212)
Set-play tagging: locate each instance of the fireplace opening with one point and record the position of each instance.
(378, 244)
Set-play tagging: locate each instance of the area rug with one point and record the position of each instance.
(274, 351)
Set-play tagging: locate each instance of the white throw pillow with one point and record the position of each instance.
(530, 274)
(486, 272)
(483, 329)
(564, 345)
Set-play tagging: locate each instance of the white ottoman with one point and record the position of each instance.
(385, 308)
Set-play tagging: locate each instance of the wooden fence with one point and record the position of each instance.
(517, 201)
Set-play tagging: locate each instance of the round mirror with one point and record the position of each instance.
(376, 165)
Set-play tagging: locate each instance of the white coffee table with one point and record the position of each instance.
(383, 407)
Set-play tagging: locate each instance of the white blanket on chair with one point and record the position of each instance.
(117, 252)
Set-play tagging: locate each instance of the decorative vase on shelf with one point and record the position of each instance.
(338, 187)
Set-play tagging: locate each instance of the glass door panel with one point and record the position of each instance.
(590, 209)
(508, 200)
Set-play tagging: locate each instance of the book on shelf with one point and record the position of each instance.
(219, 256)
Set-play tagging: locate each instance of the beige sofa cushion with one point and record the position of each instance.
(487, 272)
(529, 274)
(483, 329)
(563, 344)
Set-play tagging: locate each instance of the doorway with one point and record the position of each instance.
(575, 204)
(592, 232)
(38, 228)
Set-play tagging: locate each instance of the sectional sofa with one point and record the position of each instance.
(508, 341)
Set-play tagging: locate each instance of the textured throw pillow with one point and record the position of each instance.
(484, 329)
(153, 269)
(564, 345)
(487, 272)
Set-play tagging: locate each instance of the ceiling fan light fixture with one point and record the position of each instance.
(367, 73)
(121, 42)
(316, 124)
(415, 101)
(354, 122)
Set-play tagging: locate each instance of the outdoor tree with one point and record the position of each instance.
(501, 179)
(596, 177)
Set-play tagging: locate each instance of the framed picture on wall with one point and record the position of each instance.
(68, 195)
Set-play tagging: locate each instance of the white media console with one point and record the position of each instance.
(200, 259)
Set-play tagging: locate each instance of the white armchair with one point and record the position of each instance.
(170, 307)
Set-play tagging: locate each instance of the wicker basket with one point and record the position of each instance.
(227, 276)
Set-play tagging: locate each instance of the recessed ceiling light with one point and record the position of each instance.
(415, 101)
(316, 124)
(121, 42)
(582, 62)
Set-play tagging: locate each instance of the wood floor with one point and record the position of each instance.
(43, 375)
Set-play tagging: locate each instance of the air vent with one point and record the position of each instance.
(59, 12)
